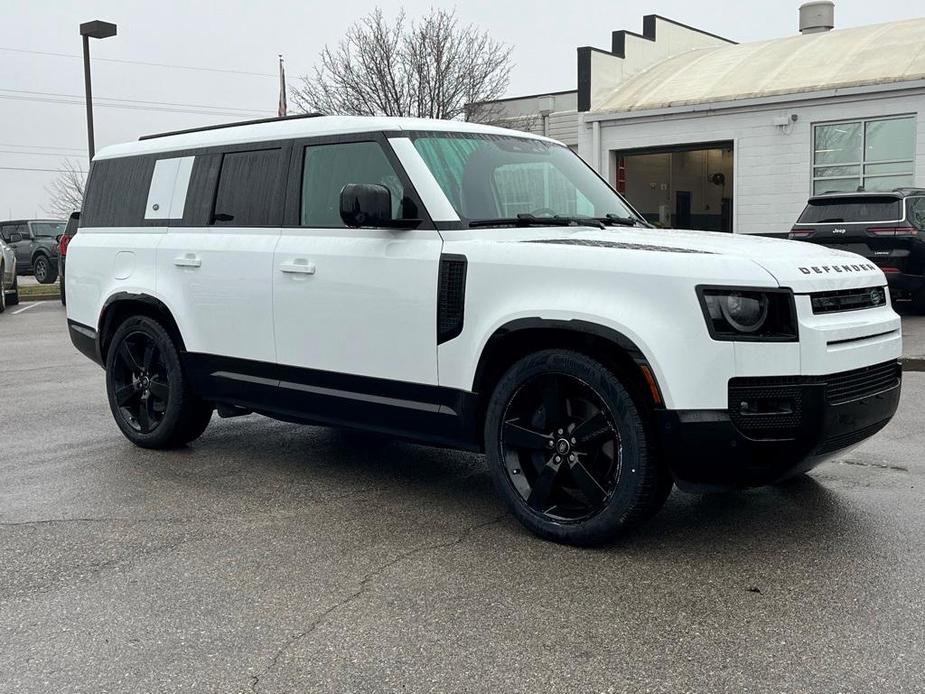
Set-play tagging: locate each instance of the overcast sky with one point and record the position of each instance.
(236, 37)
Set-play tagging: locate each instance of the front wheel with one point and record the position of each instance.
(568, 450)
(149, 395)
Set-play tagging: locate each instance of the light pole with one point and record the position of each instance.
(92, 30)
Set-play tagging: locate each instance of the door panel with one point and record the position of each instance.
(217, 283)
(368, 309)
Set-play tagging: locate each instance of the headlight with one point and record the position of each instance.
(749, 314)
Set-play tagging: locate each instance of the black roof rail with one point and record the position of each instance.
(230, 125)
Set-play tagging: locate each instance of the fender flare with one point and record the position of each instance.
(155, 306)
(623, 342)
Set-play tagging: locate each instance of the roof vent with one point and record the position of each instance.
(817, 17)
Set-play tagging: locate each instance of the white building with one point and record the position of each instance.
(700, 132)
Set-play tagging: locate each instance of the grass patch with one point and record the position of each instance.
(38, 292)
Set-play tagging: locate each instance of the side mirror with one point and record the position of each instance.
(365, 205)
(15, 238)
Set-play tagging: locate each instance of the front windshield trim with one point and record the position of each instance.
(617, 214)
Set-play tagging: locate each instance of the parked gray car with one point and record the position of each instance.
(9, 285)
(35, 242)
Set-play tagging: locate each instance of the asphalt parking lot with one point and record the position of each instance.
(276, 558)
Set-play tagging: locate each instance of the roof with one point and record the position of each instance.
(897, 193)
(288, 128)
(868, 55)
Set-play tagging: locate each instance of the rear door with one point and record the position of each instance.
(214, 264)
(23, 248)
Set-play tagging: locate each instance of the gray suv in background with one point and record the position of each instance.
(35, 243)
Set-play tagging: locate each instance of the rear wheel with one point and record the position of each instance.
(2, 291)
(149, 395)
(45, 272)
(568, 450)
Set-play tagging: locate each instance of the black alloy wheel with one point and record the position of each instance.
(142, 391)
(150, 398)
(561, 449)
(568, 449)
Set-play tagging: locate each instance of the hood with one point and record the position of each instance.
(804, 267)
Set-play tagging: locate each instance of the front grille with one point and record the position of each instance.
(839, 441)
(861, 383)
(776, 407)
(848, 300)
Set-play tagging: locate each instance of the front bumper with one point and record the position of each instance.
(776, 428)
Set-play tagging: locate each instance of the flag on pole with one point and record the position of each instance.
(281, 111)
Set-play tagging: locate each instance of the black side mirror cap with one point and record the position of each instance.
(370, 205)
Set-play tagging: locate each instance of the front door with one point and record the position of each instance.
(355, 309)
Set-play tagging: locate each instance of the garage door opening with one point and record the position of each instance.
(681, 187)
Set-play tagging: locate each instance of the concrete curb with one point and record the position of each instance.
(913, 363)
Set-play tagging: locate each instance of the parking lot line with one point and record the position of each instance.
(26, 308)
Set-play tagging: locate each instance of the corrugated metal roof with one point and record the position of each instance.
(877, 54)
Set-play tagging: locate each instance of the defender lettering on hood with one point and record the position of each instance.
(824, 269)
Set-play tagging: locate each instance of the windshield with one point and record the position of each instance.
(866, 208)
(47, 229)
(488, 177)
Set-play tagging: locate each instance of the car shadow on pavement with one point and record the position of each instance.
(290, 465)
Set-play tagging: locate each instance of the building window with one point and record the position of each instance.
(869, 154)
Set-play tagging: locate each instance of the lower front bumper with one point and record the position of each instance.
(718, 449)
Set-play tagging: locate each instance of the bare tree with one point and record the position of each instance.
(430, 68)
(66, 192)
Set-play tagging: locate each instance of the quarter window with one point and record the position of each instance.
(916, 212)
(326, 169)
(248, 189)
(870, 154)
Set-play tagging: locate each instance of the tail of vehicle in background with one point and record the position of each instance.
(63, 241)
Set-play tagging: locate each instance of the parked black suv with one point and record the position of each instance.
(887, 228)
(35, 243)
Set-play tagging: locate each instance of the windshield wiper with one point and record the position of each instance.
(617, 220)
(529, 220)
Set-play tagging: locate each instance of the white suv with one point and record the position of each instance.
(471, 287)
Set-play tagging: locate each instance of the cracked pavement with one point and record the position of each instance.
(269, 557)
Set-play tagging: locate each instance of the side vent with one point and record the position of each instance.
(451, 296)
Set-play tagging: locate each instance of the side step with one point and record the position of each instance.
(225, 411)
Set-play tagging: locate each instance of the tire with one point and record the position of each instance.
(149, 396)
(2, 291)
(61, 290)
(569, 452)
(44, 271)
(918, 301)
(13, 299)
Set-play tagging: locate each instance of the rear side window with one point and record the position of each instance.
(847, 209)
(328, 168)
(249, 185)
(915, 212)
(116, 192)
(49, 230)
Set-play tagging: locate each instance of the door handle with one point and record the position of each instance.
(188, 260)
(298, 268)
